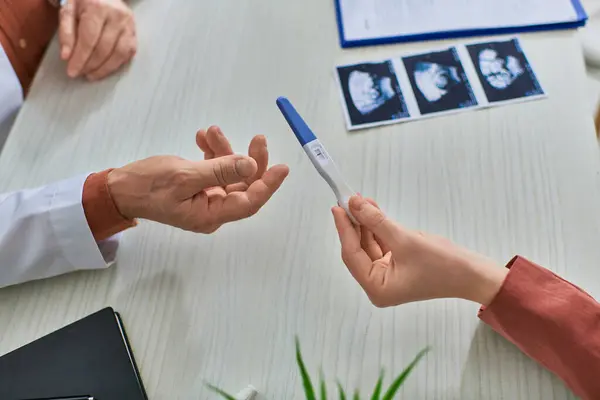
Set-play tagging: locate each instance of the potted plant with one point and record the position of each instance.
(311, 391)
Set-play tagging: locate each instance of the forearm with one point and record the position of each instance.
(44, 233)
(552, 321)
(57, 229)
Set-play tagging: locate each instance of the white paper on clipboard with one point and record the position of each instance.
(375, 19)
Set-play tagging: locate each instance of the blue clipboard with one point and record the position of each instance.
(582, 17)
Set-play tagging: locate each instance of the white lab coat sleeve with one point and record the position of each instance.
(44, 233)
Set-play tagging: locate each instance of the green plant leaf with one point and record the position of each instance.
(341, 390)
(220, 392)
(389, 395)
(309, 391)
(323, 386)
(377, 392)
(356, 395)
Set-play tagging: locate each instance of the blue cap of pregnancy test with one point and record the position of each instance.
(295, 121)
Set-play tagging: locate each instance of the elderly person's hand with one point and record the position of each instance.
(198, 196)
(97, 37)
(395, 265)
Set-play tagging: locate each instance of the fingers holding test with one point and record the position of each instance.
(354, 256)
(384, 248)
(373, 219)
(370, 244)
(66, 29)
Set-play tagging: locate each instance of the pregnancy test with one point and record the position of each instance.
(318, 155)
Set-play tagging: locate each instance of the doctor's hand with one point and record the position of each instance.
(97, 37)
(395, 265)
(198, 196)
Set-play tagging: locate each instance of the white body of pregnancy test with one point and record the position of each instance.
(318, 155)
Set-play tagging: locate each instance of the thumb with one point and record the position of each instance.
(223, 171)
(375, 220)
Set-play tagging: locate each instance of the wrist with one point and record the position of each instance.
(101, 213)
(485, 279)
(123, 193)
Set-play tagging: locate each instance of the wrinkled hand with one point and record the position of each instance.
(97, 37)
(198, 196)
(395, 265)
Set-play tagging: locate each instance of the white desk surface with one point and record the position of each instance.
(225, 308)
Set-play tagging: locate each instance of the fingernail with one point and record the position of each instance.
(357, 203)
(64, 52)
(72, 73)
(244, 168)
(219, 132)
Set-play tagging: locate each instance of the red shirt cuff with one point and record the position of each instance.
(516, 290)
(103, 217)
(552, 321)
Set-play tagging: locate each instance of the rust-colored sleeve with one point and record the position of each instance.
(26, 28)
(552, 321)
(103, 217)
